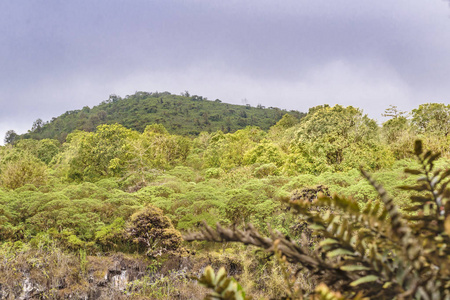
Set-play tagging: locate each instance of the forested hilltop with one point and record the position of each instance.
(182, 115)
(101, 215)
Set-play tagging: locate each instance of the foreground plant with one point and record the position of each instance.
(373, 251)
(222, 286)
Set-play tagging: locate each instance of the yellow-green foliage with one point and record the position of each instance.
(84, 191)
(22, 169)
(104, 153)
(111, 235)
(336, 139)
(372, 251)
(223, 287)
(227, 150)
(264, 153)
(44, 149)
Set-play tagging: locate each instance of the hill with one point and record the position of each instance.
(182, 115)
(71, 213)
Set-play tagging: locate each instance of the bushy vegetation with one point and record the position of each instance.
(117, 189)
(182, 115)
(370, 251)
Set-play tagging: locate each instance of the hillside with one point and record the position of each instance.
(72, 213)
(182, 115)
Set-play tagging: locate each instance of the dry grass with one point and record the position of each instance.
(58, 274)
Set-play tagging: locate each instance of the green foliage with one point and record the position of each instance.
(184, 173)
(264, 153)
(337, 139)
(20, 170)
(224, 287)
(370, 251)
(44, 149)
(286, 122)
(103, 153)
(10, 137)
(213, 173)
(163, 149)
(194, 220)
(227, 150)
(431, 122)
(432, 118)
(240, 206)
(88, 193)
(266, 170)
(150, 192)
(394, 128)
(399, 136)
(181, 115)
(111, 235)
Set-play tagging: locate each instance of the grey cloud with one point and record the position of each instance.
(61, 55)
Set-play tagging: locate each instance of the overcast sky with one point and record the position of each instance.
(59, 55)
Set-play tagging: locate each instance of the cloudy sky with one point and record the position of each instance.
(59, 55)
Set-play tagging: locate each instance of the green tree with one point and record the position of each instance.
(103, 153)
(227, 150)
(112, 235)
(393, 112)
(10, 137)
(240, 207)
(264, 152)
(22, 170)
(156, 148)
(395, 128)
(399, 136)
(37, 125)
(287, 121)
(432, 118)
(330, 136)
(431, 122)
(44, 149)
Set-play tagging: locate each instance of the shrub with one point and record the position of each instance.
(374, 251)
(213, 173)
(151, 229)
(26, 170)
(111, 235)
(266, 170)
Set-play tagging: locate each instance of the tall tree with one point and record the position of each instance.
(10, 137)
(433, 118)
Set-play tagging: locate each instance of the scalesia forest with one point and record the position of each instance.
(319, 203)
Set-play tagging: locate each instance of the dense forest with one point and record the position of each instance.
(182, 115)
(121, 183)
